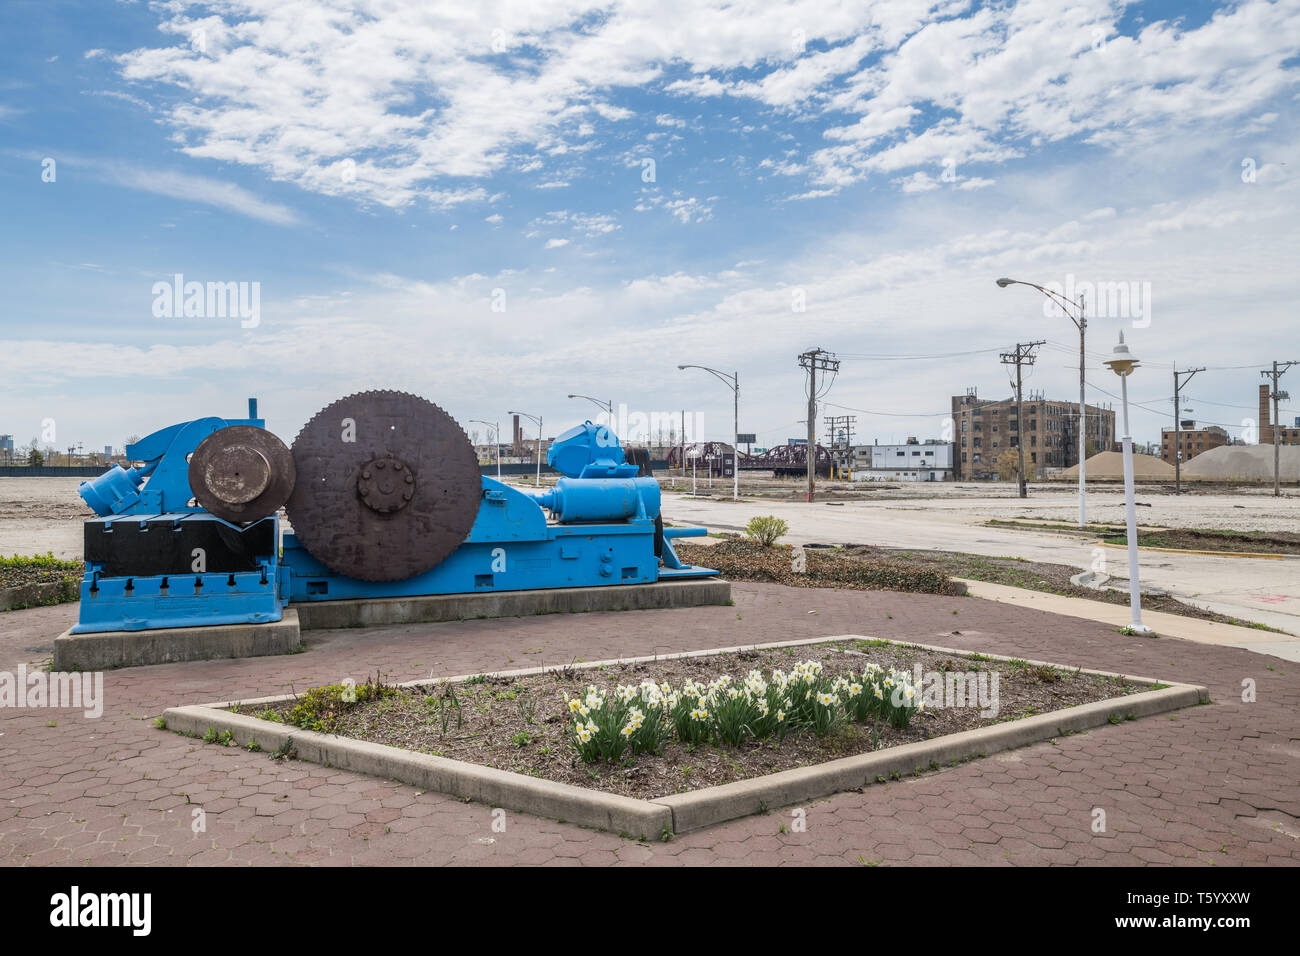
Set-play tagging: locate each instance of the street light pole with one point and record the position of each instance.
(1081, 323)
(496, 439)
(538, 419)
(1122, 364)
(608, 406)
(732, 381)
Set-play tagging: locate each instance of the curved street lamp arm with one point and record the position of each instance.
(729, 380)
(1066, 305)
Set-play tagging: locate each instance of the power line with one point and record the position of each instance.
(1154, 411)
(867, 411)
(876, 357)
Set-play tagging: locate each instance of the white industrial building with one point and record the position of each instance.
(911, 461)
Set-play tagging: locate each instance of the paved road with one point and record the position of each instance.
(1260, 590)
(1210, 785)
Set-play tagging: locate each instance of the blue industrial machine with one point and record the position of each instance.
(385, 499)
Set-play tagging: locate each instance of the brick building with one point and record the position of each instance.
(984, 428)
(1191, 441)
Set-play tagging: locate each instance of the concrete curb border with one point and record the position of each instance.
(498, 788)
(41, 594)
(678, 813)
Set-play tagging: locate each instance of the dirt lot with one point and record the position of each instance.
(494, 720)
(1191, 539)
(39, 515)
(741, 560)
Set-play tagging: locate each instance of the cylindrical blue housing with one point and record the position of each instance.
(105, 493)
(601, 499)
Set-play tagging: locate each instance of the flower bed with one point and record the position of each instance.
(677, 725)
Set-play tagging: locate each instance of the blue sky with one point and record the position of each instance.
(386, 173)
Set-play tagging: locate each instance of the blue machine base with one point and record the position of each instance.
(571, 556)
(142, 603)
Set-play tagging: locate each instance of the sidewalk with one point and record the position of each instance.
(1210, 785)
(1284, 646)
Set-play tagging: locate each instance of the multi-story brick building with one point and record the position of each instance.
(1286, 436)
(984, 428)
(1191, 441)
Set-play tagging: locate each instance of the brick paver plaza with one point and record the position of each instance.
(1216, 784)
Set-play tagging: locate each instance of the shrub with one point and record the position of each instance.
(321, 708)
(765, 529)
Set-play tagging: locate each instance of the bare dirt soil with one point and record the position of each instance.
(523, 725)
(743, 560)
(1190, 539)
(854, 567)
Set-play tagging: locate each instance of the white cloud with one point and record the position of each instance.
(916, 283)
(204, 190)
(417, 98)
(685, 209)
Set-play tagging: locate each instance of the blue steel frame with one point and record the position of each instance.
(602, 534)
(124, 499)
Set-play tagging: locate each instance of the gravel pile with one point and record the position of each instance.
(1244, 463)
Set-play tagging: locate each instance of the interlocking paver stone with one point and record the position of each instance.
(1204, 785)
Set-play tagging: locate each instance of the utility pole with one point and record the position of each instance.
(1179, 382)
(1277, 396)
(841, 451)
(813, 361)
(1023, 355)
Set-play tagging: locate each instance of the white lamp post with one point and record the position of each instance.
(1122, 363)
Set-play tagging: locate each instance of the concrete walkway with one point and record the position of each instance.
(1201, 631)
(1214, 784)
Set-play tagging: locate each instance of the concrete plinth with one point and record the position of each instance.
(111, 649)
(463, 607)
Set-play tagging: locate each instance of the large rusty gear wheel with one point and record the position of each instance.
(387, 486)
(241, 473)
